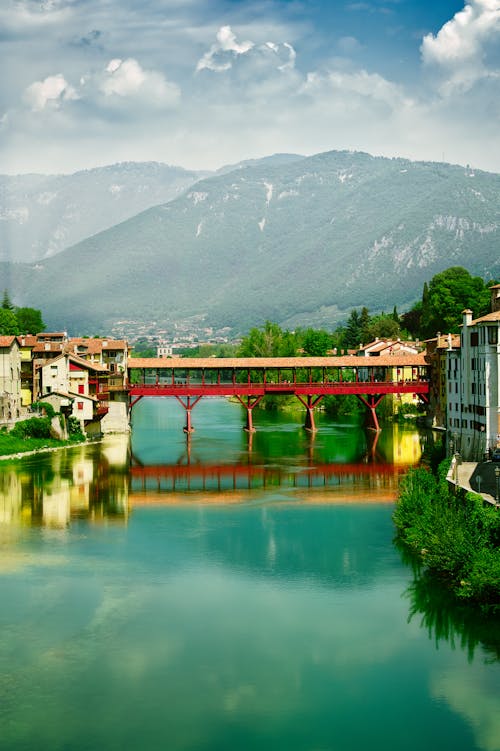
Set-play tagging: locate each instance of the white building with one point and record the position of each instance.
(10, 379)
(164, 350)
(473, 373)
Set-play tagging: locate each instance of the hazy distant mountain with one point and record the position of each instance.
(41, 215)
(297, 242)
(275, 160)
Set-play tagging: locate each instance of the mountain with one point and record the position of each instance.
(300, 242)
(40, 215)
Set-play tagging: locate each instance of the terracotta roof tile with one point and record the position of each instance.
(352, 361)
(6, 341)
(489, 317)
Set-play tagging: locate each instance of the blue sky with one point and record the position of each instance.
(202, 83)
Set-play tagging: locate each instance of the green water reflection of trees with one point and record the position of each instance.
(447, 620)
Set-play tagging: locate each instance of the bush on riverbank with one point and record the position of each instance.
(34, 427)
(35, 434)
(456, 536)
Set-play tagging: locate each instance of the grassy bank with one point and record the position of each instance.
(10, 445)
(454, 536)
(36, 433)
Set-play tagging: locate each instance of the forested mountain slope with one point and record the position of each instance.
(297, 242)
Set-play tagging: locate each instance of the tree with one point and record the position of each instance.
(316, 342)
(383, 326)
(6, 302)
(410, 321)
(353, 332)
(8, 322)
(448, 294)
(29, 320)
(268, 341)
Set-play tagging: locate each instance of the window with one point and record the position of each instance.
(81, 388)
(80, 405)
(474, 339)
(492, 335)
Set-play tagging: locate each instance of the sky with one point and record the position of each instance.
(206, 83)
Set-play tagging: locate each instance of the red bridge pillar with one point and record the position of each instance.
(188, 406)
(310, 402)
(249, 404)
(371, 403)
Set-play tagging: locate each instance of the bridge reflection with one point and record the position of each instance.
(232, 482)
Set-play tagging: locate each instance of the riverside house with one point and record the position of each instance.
(10, 380)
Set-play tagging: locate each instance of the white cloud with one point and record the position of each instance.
(126, 78)
(220, 55)
(461, 49)
(360, 85)
(49, 92)
(223, 54)
(252, 94)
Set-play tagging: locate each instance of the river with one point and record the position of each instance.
(229, 592)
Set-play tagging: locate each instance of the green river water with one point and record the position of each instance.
(229, 592)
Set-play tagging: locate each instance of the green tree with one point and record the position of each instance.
(383, 326)
(268, 341)
(6, 302)
(449, 293)
(411, 320)
(353, 331)
(315, 342)
(29, 320)
(8, 322)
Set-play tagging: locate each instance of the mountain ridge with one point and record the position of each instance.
(298, 242)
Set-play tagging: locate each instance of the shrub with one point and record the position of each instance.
(454, 535)
(35, 427)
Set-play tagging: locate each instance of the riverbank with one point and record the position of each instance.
(35, 446)
(451, 533)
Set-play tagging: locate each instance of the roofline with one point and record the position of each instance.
(256, 363)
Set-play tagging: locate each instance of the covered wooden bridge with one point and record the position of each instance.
(249, 379)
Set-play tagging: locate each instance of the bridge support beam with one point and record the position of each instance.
(249, 403)
(371, 402)
(188, 406)
(134, 400)
(309, 403)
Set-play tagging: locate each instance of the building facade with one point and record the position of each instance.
(10, 380)
(473, 386)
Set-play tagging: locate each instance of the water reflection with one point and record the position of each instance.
(208, 623)
(87, 482)
(219, 464)
(447, 620)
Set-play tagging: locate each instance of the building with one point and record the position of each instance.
(83, 382)
(437, 352)
(383, 347)
(473, 372)
(10, 380)
(164, 350)
(26, 346)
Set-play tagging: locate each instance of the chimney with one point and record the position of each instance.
(467, 317)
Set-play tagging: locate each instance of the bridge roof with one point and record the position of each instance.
(215, 363)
